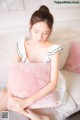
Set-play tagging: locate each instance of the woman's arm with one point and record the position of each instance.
(52, 84)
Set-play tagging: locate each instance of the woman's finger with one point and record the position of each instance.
(16, 109)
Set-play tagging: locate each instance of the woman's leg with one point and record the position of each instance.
(36, 116)
(29, 113)
(3, 99)
(33, 116)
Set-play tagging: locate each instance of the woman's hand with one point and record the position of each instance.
(22, 102)
(13, 105)
(18, 104)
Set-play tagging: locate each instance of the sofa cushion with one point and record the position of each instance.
(7, 52)
(73, 85)
(67, 109)
(64, 56)
(73, 61)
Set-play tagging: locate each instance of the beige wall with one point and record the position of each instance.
(65, 15)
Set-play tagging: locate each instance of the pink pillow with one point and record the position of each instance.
(27, 79)
(73, 62)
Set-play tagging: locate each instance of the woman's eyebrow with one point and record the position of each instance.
(38, 30)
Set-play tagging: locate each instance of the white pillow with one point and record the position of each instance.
(64, 55)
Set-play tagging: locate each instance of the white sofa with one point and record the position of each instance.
(64, 32)
(72, 103)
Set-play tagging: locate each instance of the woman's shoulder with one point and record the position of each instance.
(22, 40)
(54, 48)
(52, 45)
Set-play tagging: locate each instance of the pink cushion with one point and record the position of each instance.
(73, 62)
(27, 79)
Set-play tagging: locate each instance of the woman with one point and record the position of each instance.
(37, 49)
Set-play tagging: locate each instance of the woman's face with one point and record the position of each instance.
(40, 31)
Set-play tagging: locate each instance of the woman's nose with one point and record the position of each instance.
(40, 36)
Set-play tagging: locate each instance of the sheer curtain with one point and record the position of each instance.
(11, 5)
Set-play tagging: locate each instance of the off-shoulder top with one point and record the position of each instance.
(51, 51)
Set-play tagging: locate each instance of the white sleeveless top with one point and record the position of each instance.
(60, 90)
(22, 53)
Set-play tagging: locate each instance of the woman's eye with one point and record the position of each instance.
(45, 33)
(36, 31)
